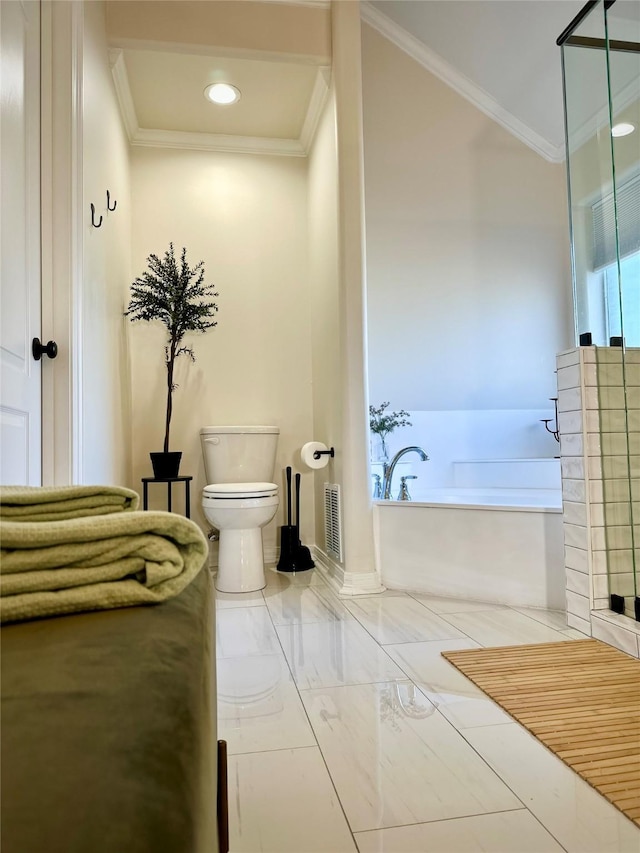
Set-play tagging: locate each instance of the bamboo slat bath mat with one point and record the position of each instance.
(580, 698)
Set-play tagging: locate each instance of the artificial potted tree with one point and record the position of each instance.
(176, 295)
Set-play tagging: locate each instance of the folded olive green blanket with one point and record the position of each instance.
(57, 503)
(95, 562)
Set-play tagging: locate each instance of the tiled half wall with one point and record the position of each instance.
(593, 444)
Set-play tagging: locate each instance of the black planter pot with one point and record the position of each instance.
(166, 465)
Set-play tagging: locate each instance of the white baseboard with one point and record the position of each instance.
(341, 582)
(344, 582)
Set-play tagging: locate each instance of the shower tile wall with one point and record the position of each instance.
(585, 429)
(578, 486)
(619, 448)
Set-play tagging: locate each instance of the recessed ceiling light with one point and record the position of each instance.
(622, 129)
(222, 93)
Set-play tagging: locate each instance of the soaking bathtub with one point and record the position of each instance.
(487, 544)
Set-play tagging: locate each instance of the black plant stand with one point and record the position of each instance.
(169, 481)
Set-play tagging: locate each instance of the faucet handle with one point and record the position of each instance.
(377, 488)
(404, 495)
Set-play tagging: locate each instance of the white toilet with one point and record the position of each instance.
(240, 499)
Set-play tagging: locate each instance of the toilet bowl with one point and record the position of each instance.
(240, 511)
(240, 499)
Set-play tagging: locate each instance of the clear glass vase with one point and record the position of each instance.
(379, 449)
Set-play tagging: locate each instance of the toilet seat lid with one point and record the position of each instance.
(237, 490)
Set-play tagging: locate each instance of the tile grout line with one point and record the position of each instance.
(447, 819)
(504, 782)
(437, 711)
(512, 610)
(300, 691)
(324, 761)
(408, 642)
(386, 681)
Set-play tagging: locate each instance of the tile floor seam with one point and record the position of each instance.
(277, 749)
(362, 683)
(408, 678)
(482, 758)
(392, 643)
(446, 819)
(415, 595)
(504, 781)
(468, 636)
(437, 711)
(459, 732)
(518, 725)
(313, 731)
(508, 609)
(537, 621)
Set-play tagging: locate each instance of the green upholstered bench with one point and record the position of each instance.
(108, 731)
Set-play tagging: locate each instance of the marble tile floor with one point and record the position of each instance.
(348, 731)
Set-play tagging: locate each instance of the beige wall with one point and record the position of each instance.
(295, 29)
(105, 452)
(246, 217)
(469, 295)
(323, 279)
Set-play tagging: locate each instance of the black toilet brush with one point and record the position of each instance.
(288, 536)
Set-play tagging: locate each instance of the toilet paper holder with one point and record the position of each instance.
(318, 453)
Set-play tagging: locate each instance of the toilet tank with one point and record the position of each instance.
(239, 454)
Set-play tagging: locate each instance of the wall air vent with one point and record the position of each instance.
(332, 522)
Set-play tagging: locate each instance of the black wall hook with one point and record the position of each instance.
(115, 203)
(93, 217)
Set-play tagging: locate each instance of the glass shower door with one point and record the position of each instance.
(601, 68)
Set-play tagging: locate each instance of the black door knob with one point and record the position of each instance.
(39, 349)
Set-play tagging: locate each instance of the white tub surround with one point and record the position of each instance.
(532, 473)
(589, 419)
(486, 545)
(525, 499)
(507, 448)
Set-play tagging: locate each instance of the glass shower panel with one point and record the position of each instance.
(590, 167)
(623, 274)
(601, 65)
(622, 519)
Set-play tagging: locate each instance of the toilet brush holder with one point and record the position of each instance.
(303, 558)
(288, 561)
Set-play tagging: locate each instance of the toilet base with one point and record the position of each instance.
(240, 561)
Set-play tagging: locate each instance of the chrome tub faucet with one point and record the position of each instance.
(389, 469)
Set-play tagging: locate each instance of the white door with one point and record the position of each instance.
(20, 287)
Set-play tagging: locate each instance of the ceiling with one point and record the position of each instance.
(502, 55)
(505, 49)
(164, 53)
(499, 54)
(168, 94)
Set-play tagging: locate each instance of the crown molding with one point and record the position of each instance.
(459, 83)
(123, 91)
(219, 51)
(152, 138)
(314, 110)
(218, 142)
